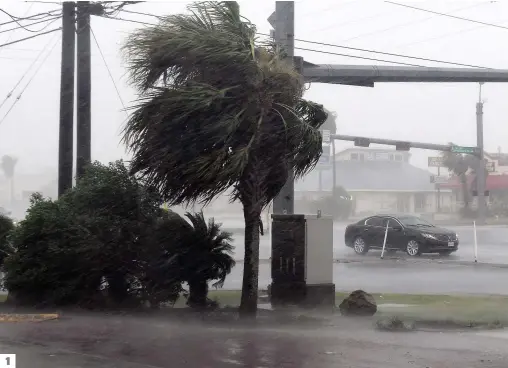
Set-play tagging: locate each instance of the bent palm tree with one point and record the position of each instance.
(218, 110)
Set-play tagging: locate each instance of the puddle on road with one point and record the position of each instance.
(388, 305)
(503, 334)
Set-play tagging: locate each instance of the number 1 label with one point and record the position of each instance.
(7, 360)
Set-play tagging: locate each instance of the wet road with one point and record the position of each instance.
(492, 245)
(127, 342)
(426, 274)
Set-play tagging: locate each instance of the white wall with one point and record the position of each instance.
(319, 250)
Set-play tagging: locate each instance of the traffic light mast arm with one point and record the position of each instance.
(401, 145)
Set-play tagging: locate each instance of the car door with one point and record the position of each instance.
(396, 235)
(373, 233)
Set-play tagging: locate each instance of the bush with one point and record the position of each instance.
(6, 227)
(86, 245)
(107, 242)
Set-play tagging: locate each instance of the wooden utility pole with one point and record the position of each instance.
(84, 127)
(66, 134)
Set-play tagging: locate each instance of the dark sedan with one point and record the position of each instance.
(411, 234)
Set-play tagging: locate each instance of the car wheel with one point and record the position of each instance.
(445, 252)
(413, 248)
(360, 246)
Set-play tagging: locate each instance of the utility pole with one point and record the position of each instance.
(283, 21)
(66, 126)
(84, 128)
(480, 172)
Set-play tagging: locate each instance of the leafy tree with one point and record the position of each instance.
(8, 165)
(218, 109)
(48, 266)
(6, 227)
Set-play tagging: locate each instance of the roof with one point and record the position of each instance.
(493, 182)
(369, 176)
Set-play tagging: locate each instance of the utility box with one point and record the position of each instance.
(302, 260)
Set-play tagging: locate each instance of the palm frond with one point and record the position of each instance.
(215, 107)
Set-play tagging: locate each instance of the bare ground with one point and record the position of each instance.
(93, 340)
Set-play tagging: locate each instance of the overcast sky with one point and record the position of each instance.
(436, 113)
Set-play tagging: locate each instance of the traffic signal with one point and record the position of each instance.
(402, 146)
(362, 142)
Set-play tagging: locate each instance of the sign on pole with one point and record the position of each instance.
(436, 161)
(434, 179)
(326, 136)
(466, 150)
(490, 166)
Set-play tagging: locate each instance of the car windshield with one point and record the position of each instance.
(414, 221)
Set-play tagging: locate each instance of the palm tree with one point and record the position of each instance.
(8, 165)
(205, 256)
(460, 164)
(218, 109)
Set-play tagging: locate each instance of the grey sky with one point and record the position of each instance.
(426, 112)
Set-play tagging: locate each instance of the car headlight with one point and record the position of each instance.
(429, 236)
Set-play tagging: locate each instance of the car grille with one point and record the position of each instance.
(446, 237)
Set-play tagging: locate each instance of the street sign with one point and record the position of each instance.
(490, 166)
(466, 150)
(436, 161)
(434, 179)
(326, 136)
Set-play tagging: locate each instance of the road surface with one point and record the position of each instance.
(456, 274)
(130, 342)
(492, 245)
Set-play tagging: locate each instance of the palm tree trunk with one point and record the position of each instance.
(465, 194)
(198, 293)
(249, 301)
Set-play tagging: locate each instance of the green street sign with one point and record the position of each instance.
(466, 150)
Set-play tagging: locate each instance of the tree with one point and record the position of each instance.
(218, 109)
(459, 165)
(6, 227)
(204, 256)
(8, 165)
(330, 122)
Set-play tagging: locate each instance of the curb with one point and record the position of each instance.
(12, 317)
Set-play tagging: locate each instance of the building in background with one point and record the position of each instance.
(379, 180)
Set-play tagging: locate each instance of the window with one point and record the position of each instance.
(391, 223)
(414, 221)
(398, 158)
(354, 156)
(374, 221)
(362, 157)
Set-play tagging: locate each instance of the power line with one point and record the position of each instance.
(130, 20)
(28, 83)
(358, 57)
(442, 36)
(407, 24)
(386, 53)
(10, 36)
(32, 17)
(28, 38)
(447, 15)
(26, 73)
(141, 13)
(50, 20)
(109, 71)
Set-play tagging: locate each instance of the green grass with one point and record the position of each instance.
(484, 309)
